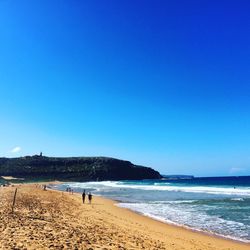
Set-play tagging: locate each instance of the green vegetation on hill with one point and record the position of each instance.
(74, 168)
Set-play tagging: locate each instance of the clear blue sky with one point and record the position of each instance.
(164, 84)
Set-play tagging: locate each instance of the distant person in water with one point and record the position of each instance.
(90, 197)
(83, 196)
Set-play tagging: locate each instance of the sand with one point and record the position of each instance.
(58, 220)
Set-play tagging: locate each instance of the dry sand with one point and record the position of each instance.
(56, 220)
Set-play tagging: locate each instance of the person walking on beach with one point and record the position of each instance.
(83, 196)
(90, 197)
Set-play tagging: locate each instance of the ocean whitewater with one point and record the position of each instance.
(219, 206)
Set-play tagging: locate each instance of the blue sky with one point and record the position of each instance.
(164, 84)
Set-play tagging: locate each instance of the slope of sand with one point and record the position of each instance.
(56, 220)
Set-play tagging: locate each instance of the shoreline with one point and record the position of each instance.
(136, 228)
(177, 227)
(210, 234)
(168, 224)
(172, 224)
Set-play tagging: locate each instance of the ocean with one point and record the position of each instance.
(2, 181)
(217, 205)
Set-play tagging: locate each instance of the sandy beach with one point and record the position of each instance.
(58, 220)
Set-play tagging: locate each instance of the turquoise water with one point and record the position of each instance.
(220, 206)
(2, 181)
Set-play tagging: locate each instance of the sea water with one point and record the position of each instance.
(215, 205)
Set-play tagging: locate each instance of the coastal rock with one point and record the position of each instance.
(74, 168)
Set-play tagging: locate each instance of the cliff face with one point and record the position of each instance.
(75, 168)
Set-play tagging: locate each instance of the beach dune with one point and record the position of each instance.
(58, 220)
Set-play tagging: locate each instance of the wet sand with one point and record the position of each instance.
(58, 220)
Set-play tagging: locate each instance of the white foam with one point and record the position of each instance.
(190, 217)
(173, 202)
(167, 187)
(186, 212)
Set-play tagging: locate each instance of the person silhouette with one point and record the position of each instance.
(83, 196)
(90, 197)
